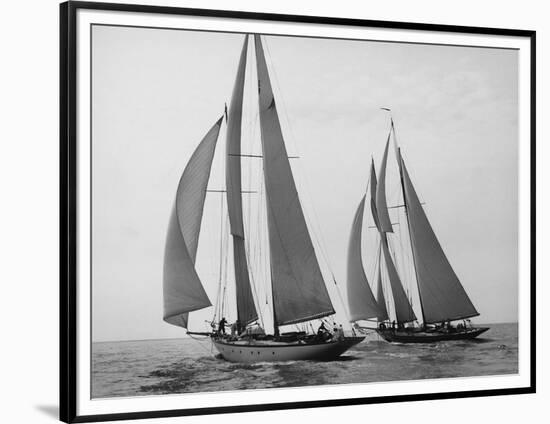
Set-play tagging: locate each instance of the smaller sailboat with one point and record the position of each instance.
(443, 299)
(298, 291)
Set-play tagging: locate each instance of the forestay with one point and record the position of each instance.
(182, 289)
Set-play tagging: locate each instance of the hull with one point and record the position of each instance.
(398, 336)
(269, 351)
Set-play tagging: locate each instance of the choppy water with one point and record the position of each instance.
(148, 367)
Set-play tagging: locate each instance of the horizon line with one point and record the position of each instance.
(185, 336)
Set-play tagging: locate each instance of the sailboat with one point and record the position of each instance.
(443, 299)
(298, 291)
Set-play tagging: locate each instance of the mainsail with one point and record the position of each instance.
(246, 310)
(361, 301)
(299, 291)
(182, 289)
(441, 293)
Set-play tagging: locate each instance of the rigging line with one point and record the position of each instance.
(226, 256)
(406, 269)
(248, 254)
(407, 250)
(253, 120)
(219, 300)
(199, 342)
(260, 232)
(263, 254)
(221, 258)
(375, 269)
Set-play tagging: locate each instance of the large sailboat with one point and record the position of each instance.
(299, 295)
(442, 297)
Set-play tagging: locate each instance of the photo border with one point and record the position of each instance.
(68, 207)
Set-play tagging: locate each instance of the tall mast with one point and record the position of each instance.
(246, 309)
(398, 150)
(403, 308)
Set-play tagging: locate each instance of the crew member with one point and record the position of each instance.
(221, 326)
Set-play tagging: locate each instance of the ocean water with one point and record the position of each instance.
(149, 367)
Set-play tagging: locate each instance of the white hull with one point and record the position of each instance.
(270, 351)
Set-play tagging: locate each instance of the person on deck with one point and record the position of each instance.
(340, 332)
(322, 331)
(221, 326)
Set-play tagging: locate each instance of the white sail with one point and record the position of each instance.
(361, 301)
(299, 291)
(381, 204)
(182, 289)
(246, 310)
(233, 159)
(441, 293)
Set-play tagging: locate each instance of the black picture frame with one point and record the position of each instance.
(68, 207)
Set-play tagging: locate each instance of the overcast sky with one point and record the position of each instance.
(157, 92)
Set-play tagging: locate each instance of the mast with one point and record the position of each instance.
(398, 156)
(246, 309)
(298, 287)
(403, 309)
(409, 227)
(183, 291)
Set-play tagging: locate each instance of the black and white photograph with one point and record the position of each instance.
(320, 212)
(265, 209)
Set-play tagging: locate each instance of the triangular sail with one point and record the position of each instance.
(182, 289)
(380, 299)
(299, 291)
(373, 185)
(381, 204)
(441, 293)
(246, 310)
(403, 309)
(361, 301)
